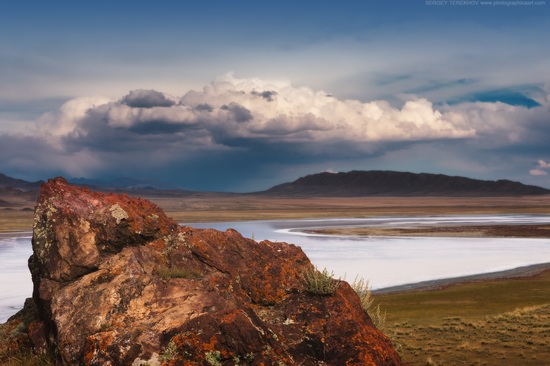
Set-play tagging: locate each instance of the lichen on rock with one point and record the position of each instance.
(116, 282)
(118, 213)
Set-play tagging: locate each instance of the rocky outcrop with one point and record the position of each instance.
(116, 282)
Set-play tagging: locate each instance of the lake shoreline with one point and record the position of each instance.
(15, 234)
(445, 231)
(435, 285)
(429, 285)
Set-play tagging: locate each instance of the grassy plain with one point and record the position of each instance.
(13, 220)
(248, 207)
(497, 322)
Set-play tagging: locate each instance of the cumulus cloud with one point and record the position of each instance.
(272, 122)
(67, 119)
(231, 108)
(146, 99)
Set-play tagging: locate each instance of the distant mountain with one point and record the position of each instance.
(23, 185)
(17, 192)
(123, 184)
(390, 183)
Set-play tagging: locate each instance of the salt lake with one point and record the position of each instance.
(384, 261)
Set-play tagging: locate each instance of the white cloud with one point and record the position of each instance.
(540, 169)
(537, 172)
(66, 120)
(253, 108)
(272, 120)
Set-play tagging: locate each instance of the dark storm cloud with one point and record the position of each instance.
(204, 107)
(156, 128)
(268, 95)
(98, 134)
(239, 113)
(146, 99)
(34, 158)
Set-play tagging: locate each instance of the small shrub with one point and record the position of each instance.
(378, 317)
(175, 272)
(320, 283)
(363, 289)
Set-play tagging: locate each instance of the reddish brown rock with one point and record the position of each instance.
(119, 283)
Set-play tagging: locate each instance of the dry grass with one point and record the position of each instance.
(15, 220)
(500, 322)
(213, 207)
(521, 337)
(364, 291)
(29, 360)
(320, 282)
(241, 207)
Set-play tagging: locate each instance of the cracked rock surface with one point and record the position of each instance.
(116, 282)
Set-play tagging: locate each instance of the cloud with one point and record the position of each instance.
(537, 172)
(239, 113)
(230, 107)
(66, 120)
(268, 95)
(259, 125)
(146, 99)
(540, 169)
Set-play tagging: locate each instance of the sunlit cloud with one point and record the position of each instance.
(537, 172)
(259, 123)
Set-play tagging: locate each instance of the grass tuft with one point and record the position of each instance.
(29, 359)
(364, 291)
(320, 282)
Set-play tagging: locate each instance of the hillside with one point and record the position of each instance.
(17, 192)
(391, 183)
(23, 185)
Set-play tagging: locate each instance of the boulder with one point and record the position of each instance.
(117, 282)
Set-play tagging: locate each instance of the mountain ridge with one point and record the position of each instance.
(393, 183)
(345, 184)
(23, 185)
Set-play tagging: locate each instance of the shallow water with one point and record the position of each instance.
(391, 261)
(15, 278)
(385, 261)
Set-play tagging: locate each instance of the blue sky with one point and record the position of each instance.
(242, 95)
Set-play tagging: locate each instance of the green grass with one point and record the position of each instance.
(499, 322)
(474, 300)
(320, 282)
